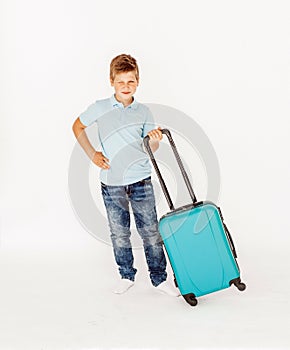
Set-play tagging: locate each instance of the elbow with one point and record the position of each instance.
(74, 128)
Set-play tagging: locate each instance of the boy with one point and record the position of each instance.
(125, 172)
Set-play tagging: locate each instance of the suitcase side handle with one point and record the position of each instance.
(180, 164)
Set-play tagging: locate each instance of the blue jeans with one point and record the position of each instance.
(140, 196)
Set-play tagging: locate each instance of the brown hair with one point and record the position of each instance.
(123, 63)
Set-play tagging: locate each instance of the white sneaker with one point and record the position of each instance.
(123, 285)
(167, 288)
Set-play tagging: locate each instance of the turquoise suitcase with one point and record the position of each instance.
(198, 244)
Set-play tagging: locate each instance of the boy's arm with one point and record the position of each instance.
(155, 136)
(96, 157)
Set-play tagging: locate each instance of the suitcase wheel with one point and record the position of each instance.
(240, 285)
(190, 299)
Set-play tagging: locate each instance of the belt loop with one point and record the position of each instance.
(127, 190)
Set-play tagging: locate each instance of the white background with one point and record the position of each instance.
(225, 64)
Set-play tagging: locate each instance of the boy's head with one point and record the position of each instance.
(124, 77)
(122, 64)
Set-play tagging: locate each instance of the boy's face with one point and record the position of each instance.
(125, 85)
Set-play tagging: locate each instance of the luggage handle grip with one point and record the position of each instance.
(180, 164)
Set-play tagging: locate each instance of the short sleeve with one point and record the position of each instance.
(92, 113)
(149, 123)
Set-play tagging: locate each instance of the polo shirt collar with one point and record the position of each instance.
(117, 104)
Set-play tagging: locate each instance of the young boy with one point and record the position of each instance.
(125, 172)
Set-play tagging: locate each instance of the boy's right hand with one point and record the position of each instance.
(100, 160)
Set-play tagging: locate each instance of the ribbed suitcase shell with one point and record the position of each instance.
(198, 249)
(198, 244)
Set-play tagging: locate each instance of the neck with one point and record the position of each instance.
(125, 102)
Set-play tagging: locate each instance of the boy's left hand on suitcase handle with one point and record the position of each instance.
(155, 134)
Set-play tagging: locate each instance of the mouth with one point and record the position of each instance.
(126, 93)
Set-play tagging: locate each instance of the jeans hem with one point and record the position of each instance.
(156, 284)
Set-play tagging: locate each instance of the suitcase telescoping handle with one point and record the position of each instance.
(180, 164)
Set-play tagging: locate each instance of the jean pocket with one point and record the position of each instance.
(104, 190)
(146, 181)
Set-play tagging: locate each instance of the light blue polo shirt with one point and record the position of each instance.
(121, 131)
